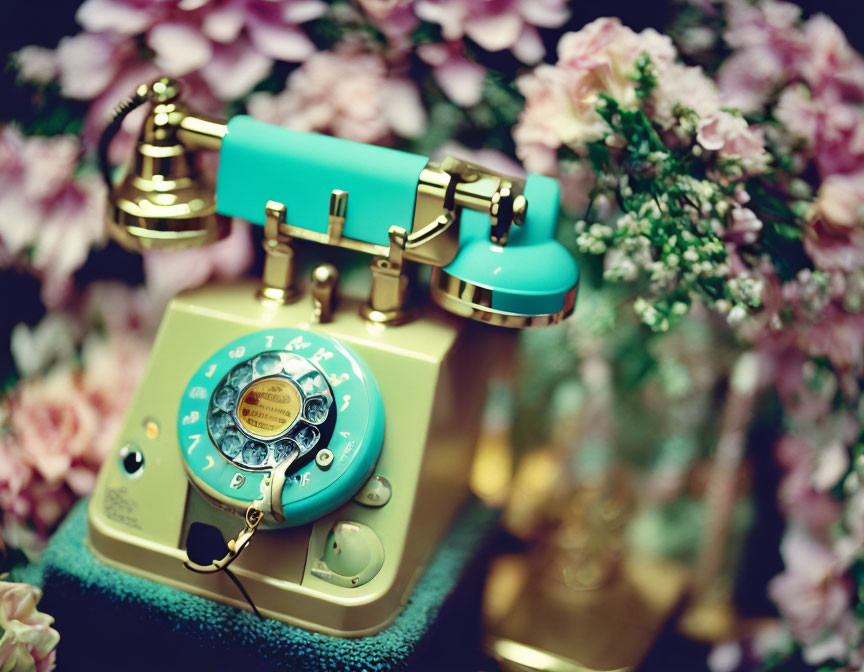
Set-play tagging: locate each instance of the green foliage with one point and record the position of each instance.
(645, 77)
(668, 214)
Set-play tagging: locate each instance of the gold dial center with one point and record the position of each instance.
(268, 406)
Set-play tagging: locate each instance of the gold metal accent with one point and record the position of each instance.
(165, 201)
(252, 518)
(277, 281)
(469, 300)
(325, 279)
(336, 216)
(151, 428)
(388, 302)
(268, 407)
(549, 628)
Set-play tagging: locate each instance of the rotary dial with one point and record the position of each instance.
(267, 408)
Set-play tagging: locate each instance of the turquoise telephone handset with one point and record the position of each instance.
(337, 437)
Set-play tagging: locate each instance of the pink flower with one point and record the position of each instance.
(231, 43)
(561, 100)
(61, 426)
(53, 424)
(830, 63)
(812, 593)
(28, 641)
(496, 25)
(50, 216)
(348, 93)
(732, 138)
(832, 128)
(395, 18)
(169, 272)
(766, 44)
(460, 78)
(799, 498)
(834, 237)
(745, 226)
(839, 336)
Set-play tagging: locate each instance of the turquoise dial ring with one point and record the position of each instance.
(273, 395)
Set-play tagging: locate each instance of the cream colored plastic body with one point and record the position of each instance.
(431, 374)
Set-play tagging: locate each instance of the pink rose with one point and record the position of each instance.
(830, 63)
(812, 593)
(53, 424)
(62, 425)
(28, 641)
(834, 237)
(600, 60)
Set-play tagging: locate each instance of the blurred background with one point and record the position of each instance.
(663, 467)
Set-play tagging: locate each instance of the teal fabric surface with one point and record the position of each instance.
(111, 620)
(260, 162)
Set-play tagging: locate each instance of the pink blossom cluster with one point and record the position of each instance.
(57, 425)
(220, 49)
(820, 79)
(494, 25)
(601, 60)
(806, 75)
(50, 214)
(347, 92)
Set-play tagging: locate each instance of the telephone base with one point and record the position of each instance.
(431, 374)
(112, 619)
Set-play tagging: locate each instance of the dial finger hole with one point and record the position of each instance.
(294, 365)
(266, 364)
(254, 453)
(225, 398)
(283, 449)
(306, 437)
(316, 410)
(313, 383)
(232, 443)
(241, 375)
(217, 423)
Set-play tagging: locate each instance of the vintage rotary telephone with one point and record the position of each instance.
(336, 438)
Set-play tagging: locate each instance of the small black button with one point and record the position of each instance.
(131, 459)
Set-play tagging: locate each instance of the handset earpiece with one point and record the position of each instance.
(529, 281)
(164, 201)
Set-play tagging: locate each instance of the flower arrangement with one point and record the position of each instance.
(739, 196)
(28, 641)
(713, 180)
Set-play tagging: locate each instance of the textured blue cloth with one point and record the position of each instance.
(111, 620)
